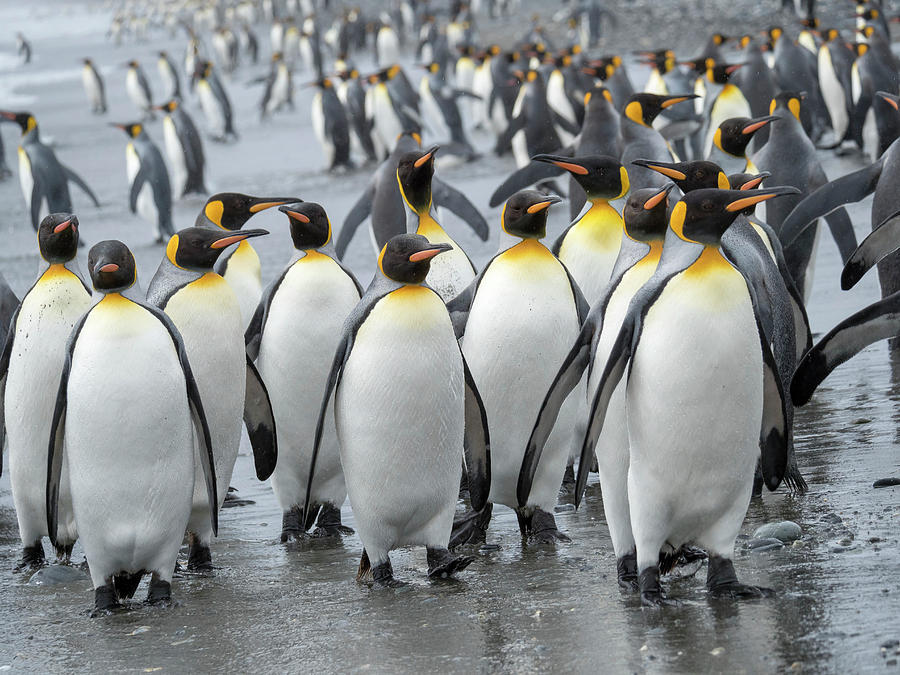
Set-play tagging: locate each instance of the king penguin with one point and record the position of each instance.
(292, 337)
(93, 87)
(30, 367)
(184, 149)
(150, 193)
(138, 89)
(206, 312)
(215, 103)
(131, 459)
(731, 140)
(402, 453)
(516, 322)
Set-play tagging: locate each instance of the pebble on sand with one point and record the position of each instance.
(886, 482)
(784, 531)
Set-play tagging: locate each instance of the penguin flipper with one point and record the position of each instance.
(529, 174)
(136, 186)
(4, 371)
(254, 332)
(566, 124)
(841, 228)
(477, 444)
(360, 211)
(850, 188)
(878, 321)
(881, 242)
(504, 141)
(260, 422)
(37, 198)
(454, 200)
(79, 181)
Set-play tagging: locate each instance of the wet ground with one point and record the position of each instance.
(277, 608)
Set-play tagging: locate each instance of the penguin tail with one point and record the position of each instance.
(125, 583)
(794, 479)
(364, 573)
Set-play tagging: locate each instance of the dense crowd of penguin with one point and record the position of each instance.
(661, 341)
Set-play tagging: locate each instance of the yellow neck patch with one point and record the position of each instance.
(710, 261)
(527, 250)
(213, 211)
(114, 301)
(676, 221)
(55, 272)
(635, 113)
(172, 250)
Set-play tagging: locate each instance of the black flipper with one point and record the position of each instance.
(878, 321)
(260, 422)
(4, 371)
(841, 228)
(529, 174)
(36, 199)
(881, 242)
(477, 443)
(360, 211)
(253, 334)
(505, 139)
(136, 186)
(454, 200)
(75, 178)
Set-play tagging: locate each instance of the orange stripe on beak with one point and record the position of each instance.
(750, 128)
(655, 200)
(110, 267)
(228, 241)
(892, 102)
(427, 254)
(540, 206)
(573, 168)
(298, 216)
(674, 174)
(747, 202)
(673, 101)
(62, 226)
(752, 183)
(262, 206)
(423, 159)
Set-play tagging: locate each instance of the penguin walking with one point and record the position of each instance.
(402, 454)
(523, 308)
(292, 337)
(329, 121)
(205, 311)
(169, 75)
(93, 87)
(138, 89)
(690, 333)
(184, 148)
(150, 193)
(131, 460)
(44, 179)
(215, 103)
(30, 367)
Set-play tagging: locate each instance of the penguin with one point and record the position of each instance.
(279, 87)
(731, 140)
(400, 335)
(389, 112)
(169, 75)
(131, 460)
(795, 70)
(441, 105)
(531, 130)
(292, 337)
(874, 124)
(205, 311)
(387, 45)
(239, 266)
(23, 49)
(504, 91)
(835, 62)
(30, 368)
(692, 331)
(150, 193)
(757, 83)
(729, 102)
(329, 121)
(643, 232)
(353, 96)
(523, 308)
(567, 111)
(184, 147)
(641, 140)
(93, 87)
(42, 176)
(611, 71)
(383, 202)
(215, 103)
(9, 302)
(464, 76)
(453, 271)
(138, 89)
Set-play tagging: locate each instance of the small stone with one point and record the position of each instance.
(832, 518)
(766, 544)
(718, 651)
(139, 630)
(645, 648)
(785, 531)
(862, 420)
(890, 644)
(891, 662)
(796, 665)
(55, 575)
(886, 482)
(564, 508)
(875, 540)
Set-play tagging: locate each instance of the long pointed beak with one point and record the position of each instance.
(269, 202)
(563, 163)
(62, 226)
(108, 267)
(427, 157)
(660, 167)
(235, 238)
(754, 182)
(429, 253)
(760, 196)
(542, 205)
(8, 115)
(758, 123)
(676, 99)
(890, 98)
(654, 201)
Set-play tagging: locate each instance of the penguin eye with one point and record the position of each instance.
(707, 205)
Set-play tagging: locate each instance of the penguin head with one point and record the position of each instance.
(310, 226)
(601, 177)
(645, 213)
(133, 129)
(688, 176)
(643, 108)
(600, 96)
(58, 237)
(774, 34)
(747, 181)
(525, 214)
(788, 103)
(810, 22)
(720, 73)
(718, 39)
(734, 134)
(111, 266)
(408, 141)
(230, 210)
(407, 257)
(414, 173)
(703, 216)
(25, 120)
(133, 64)
(87, 62)
(662, 60)
(198, 248)
(169, 106)
(829, 34)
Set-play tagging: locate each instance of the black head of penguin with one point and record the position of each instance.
(198, 248)
(599, 96)
(111, 266)
(525, 214)
(25, 120)
(310, 227)
(407, 258)
(168, 106)
(133, 129)
(231, 210)
(601, 176)
(787, 102)
(688, 176)
(414, 173)
(747, 181)
(644, 108)
(703, 216)
(58, 237)
(720, 73)
(645, 213)
(734, 134)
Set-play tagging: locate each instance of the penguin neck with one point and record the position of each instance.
(424, 222)
(527, 248)
(602, 222)
(57, 271)
(246, 256)
(709, 261)
(113, 300)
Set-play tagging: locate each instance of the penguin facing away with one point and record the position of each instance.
(131, 477)
(402, 454)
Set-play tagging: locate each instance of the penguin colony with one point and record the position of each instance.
(661, 341)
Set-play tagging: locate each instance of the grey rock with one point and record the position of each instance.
(765, 544)
(55, 575)
(785, 531)
(886, 482)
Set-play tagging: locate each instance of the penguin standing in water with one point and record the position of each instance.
(691, 333)
(150, 193)
(329, 121)
(184, 148)
(169, 75)
(138, 89)
(517, 321)
(42, 176)
(30, 367)
(402, 454)
(206, 312)
(292, 338)
(93, 87)
(215, 103)
(239, 266)
(131, 460)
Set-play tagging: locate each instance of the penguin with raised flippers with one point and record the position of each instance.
(329, 121)
(731, 140)
(292, 337)
(131, 460)
(44, 179)
(516, 322)
(206, 312)
(93, 87)
(138, 89)
(402, 454)
(184, 147)
(30, 367)
(694, 329)
(383, 202)
(645, 224)
(150, 193)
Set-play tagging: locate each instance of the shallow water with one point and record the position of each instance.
(272, 607)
